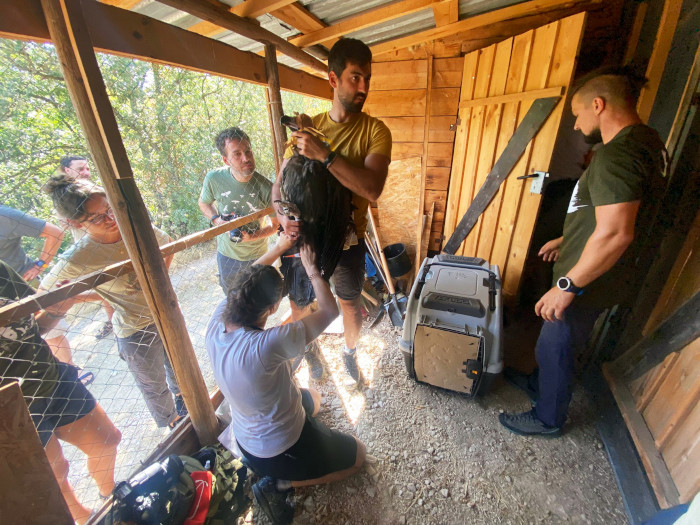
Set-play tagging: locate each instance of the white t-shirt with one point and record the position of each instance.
(253, 370)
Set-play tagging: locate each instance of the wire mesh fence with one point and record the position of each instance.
(138, 400)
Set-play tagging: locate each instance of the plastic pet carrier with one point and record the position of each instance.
(454, 321)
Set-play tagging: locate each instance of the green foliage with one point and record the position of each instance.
(168, 118)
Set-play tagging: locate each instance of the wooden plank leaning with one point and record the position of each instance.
(69, 32)
(528, 128)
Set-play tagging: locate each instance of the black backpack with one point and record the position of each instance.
(162, 493)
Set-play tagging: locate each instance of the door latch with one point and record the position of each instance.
(538, 178)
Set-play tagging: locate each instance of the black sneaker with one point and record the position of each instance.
(527, 424)
(313, 360)
(180, 406)
(525, 382)
(351, 367)
(273, 502)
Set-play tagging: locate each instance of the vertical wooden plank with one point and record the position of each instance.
(682, 452)
(471, 62)
(659, 476)
(70, 35)
(657, 62)
(424, 163)
(633, 40)
(681, 384)
(654, 379)
(682, 282)
(512, 115)
(30, 492)
(492, 126)
(476, 131)
(275, 152)
(274, 101)
(560, 64)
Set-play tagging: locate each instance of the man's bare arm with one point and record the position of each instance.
(613, 234)
(209, 210)
(53, 236)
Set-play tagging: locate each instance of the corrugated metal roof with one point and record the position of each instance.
(328, 11)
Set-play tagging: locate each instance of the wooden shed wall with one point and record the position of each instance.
(668, 396)
(398, 95)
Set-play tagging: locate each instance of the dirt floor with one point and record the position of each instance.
(436, 457)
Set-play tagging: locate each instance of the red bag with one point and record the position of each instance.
(202, 496)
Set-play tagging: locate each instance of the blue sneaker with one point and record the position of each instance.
(527, 424)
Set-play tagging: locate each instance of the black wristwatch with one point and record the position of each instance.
(565, 284)
(213, 218)
(330, 159)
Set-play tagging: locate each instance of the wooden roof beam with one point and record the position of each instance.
(512, 13)
(446, 13)
(365, 19)
(218, 13)
(248, 9)
(132, 35)
(298, 17)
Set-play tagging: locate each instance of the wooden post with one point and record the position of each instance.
(30, 492)
(424, 165)
(69, 33)
(274, 101)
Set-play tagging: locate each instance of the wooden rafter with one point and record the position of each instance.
(446, 13)
(123, 4)
(256, 8)
(132, 35)
(248, 9)
(365, 19)
(218, 13)
(297, 16)
(534, 7)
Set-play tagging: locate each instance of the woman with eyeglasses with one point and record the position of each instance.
(77, 167)
(85, 206)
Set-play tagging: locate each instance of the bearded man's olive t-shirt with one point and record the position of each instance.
(628, 168)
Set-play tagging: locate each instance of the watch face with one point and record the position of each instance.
(563, 283)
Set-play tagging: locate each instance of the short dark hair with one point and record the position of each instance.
(65, 162)
(70, 196)
(229, 134)
(620, 85)
(255, 289)
(348, 50)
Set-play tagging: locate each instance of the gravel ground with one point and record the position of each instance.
(439, 457)
(436, 457)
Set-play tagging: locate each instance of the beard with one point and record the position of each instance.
(594, 137)
(353, 105)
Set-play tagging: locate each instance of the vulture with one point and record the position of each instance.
(311, 193)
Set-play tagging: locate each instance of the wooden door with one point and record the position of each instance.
(527, 66)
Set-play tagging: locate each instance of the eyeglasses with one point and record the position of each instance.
(99, 218)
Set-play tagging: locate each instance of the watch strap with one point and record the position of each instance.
(330, 159)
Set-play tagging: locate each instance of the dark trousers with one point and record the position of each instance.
(557, 345)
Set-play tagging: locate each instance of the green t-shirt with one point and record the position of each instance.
(24, 355)
(241, 198)
(628, 168)
(124, 294)
(355, 140)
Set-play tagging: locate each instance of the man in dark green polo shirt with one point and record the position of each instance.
(606, 225)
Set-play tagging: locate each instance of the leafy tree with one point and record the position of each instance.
(168, 118)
